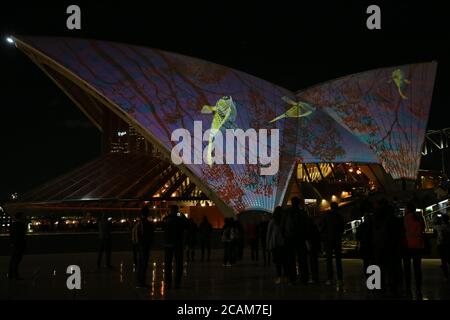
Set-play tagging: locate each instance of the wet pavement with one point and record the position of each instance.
(44, 277)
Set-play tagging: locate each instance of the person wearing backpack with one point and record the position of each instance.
(142, 237)
(414, 243)
(442, 229)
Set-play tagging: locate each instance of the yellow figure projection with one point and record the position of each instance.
(224, 117)
(400, 82)
(298, 110)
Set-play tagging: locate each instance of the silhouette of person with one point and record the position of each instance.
(275, 242)
(290, 230)
(332, 228)
(104, 233)
(253, 237)
(174, 226)
(415, 244)
(17, 235)
(227, 239)
(142, 237)
(205, 231)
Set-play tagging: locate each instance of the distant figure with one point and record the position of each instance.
(290, 230)
(253, 237)
(415, 244)
(17, 234)
(238, 241)
(263, 226)
(227, 238)
(275, 242)
(191, 239)
(205, 231)
(104, 233)
(142, 238)
(332, 228)
(174, 226)
(442, 229)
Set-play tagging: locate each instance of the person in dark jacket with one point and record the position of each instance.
(17, 235)
(205, 231)
(142, 237)
(104, 233)
(174, 226)
(332, 228)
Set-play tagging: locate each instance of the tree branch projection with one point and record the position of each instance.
(163, 91)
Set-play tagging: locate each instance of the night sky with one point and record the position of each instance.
(43, 134)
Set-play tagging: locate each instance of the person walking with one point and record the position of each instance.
(104, 233)
(174, 226)
(332, 228)
(205, 232)
(142, 237)
(415, 244)
(275, 242)
(17, 236)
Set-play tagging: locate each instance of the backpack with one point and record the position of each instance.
(137, 232)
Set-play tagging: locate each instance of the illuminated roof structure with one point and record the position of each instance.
(376, 117)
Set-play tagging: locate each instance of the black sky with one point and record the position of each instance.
(294, 44)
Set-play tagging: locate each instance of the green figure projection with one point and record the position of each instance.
(224, 117)
(400, 82)
(299, 109)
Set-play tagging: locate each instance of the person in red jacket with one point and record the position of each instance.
(414, 245)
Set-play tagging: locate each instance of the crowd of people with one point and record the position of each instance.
(290, 238)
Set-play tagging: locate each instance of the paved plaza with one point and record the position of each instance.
(44, 277)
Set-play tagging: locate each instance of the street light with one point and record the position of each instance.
(10, 40)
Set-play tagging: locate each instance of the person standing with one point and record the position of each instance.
(205, 231)
(442, 229)
(290, 232)
(174, 226)
(275, 242)
(314, 248)
(142, 237)
(104, 232)
(415, 244)
(17, 236)
(252, 235)
(332, 229)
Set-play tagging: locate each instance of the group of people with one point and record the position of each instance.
(180, 234)
(294, 239)
(395, 242)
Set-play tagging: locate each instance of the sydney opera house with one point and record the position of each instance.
(354, 134)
